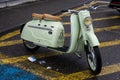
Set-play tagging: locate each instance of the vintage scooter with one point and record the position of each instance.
(46, 30)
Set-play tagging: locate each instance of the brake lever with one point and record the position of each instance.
(64, 10)
(94, 7)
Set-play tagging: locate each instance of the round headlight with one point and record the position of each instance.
(88, 21)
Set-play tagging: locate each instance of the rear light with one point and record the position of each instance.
(115, 2)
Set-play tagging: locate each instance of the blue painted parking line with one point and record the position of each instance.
(9, 72)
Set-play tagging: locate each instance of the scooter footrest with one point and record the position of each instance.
(63, 49)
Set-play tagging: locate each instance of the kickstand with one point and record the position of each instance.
(77, 54)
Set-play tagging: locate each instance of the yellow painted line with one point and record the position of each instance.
(2, 56)
(66, 23)
(100, 29)
(87, 74)
(107, 28)
(10, 43)
(9, 35)
(14, 59)
(9, 60)
(38, 70)
(110, 43)
(67, 35)
(106, 18)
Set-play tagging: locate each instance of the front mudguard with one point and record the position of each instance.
(92, 39)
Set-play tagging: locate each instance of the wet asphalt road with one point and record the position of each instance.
(66, 64)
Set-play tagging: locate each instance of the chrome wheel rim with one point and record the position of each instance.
(92, 59)
(30, 44)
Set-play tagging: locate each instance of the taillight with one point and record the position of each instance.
(115, 2)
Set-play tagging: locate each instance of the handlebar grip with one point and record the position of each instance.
(70, 11)
(64, 10)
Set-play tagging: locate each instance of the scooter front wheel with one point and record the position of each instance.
(30, 46)
(94, 59)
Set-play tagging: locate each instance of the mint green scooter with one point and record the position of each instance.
(46, 30)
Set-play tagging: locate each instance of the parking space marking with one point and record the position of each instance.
(9, 35)
(107, 28)
(110, 43)
(11, 60)
(10, 43)
(106, 18)
(87, 74)
(2, 56)
(38, 70)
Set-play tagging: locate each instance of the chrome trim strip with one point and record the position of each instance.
(39, 27)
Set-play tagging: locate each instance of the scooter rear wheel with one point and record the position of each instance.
(94, 59)
(30, 46)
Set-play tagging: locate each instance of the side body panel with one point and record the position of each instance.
(74, 33)
(45, 33)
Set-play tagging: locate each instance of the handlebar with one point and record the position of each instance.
(86, 7)
(70, 11)
(73, 11)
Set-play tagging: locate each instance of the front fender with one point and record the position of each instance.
(92, 39)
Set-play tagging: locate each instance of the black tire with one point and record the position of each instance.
(94, 59)
(30, 46)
